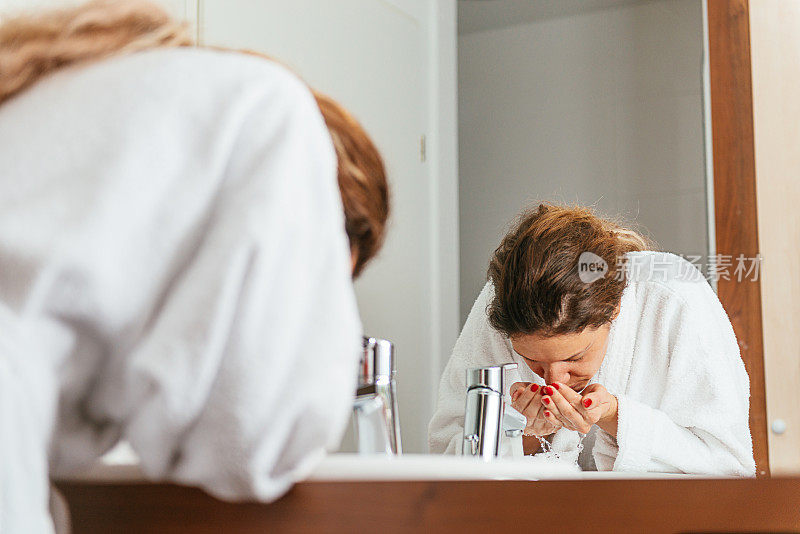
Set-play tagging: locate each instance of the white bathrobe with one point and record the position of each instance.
(672, 361)
(174, 272)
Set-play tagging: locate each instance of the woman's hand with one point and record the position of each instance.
(526, 398)
(596, 406)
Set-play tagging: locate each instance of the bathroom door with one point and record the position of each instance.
(376, 58)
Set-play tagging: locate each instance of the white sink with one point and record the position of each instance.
(435, 467)
(121, 466)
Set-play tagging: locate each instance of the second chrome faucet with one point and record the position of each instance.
(486, 414)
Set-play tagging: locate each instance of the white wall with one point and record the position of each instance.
(591, 102)
(382, 60)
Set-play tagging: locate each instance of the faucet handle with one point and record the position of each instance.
(376, 361)
(489, 377)
(473, 440)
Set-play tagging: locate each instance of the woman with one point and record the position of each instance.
(176, 259)
(627, 347)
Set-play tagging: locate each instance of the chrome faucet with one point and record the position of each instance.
(487, 414)
(375, 416)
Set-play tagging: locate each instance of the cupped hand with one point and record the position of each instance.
(578, 411)
(526, 398)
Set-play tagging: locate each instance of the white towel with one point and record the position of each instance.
(174, 270)
(672, 361)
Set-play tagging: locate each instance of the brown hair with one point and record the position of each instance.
(537, 287)
(33, 45)
(362, 181)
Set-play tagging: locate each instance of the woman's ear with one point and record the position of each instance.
(616, 312)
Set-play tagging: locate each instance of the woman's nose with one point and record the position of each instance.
(554, 374)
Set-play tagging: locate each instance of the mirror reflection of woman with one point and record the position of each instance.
(636, 369)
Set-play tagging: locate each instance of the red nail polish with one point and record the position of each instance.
(546, 400)
(548, 390)
(587, 402)
(547, 413)
(534, 388)
(555, 385)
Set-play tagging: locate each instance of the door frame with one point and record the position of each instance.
(735, 213)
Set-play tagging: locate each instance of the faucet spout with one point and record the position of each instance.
(375, 414)
(486, 413)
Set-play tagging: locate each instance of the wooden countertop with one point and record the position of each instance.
(691, 505)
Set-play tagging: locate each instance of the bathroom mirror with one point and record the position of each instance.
(482, 106)
(596, 102)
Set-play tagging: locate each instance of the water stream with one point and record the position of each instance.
(548, 453)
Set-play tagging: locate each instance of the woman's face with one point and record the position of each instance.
(572, 359)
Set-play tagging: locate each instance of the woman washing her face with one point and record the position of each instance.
(625, 350)
(179, 232)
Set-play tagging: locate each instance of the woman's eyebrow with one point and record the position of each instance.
(582, 351)
(567, 358)
(523, 357)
